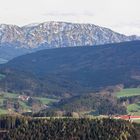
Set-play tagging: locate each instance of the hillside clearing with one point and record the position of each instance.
(128, 92)
(134, 109)
(23, 104)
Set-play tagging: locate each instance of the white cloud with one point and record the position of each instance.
(120, 15)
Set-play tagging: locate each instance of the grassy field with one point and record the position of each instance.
(3, 111)
(136, 121)
(24, 106)
(134, 109)
(11, 95)
(43, 100)
(128, 92)
(46, 100)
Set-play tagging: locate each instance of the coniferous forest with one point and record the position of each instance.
(15, 128)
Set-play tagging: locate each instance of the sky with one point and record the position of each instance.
(120, 15)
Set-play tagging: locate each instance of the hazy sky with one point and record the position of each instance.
(120, 15)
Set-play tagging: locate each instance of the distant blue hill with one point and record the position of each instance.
(72, 71)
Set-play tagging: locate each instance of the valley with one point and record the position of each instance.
(11, 103)
(79, 81)
(78, 106)
(69, 70)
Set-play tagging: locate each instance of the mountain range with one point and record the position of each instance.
(15, 40)
(73, 70)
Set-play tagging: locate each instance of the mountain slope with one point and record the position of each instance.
(56, 35)
(70, 71)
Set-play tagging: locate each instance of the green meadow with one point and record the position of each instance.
(133, 109)
(128, 92)
(23, 104)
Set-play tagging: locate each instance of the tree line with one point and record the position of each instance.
(67, 129)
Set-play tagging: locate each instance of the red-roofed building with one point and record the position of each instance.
(127, 117)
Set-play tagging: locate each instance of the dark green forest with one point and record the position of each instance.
(72, 71)
(15, 128)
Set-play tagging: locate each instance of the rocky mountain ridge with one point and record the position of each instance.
(59, 34)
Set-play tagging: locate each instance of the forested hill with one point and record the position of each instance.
(70, 71)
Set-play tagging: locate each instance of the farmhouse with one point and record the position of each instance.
(24, 98)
